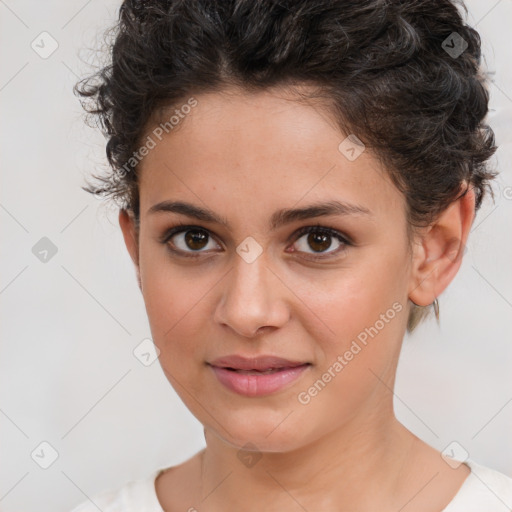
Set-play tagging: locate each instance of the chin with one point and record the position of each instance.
(263, 432)
(261, 443)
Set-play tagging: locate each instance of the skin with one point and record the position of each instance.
(244, 156)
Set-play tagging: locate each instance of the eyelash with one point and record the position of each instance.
(317, 228)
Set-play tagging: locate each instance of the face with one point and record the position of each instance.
(324, 290)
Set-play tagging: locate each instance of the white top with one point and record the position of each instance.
(484, 490)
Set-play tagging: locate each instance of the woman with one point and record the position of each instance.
(297, 181)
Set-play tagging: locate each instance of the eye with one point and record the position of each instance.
(320, 239)
(189, 240)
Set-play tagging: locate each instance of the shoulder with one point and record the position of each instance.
(484, 489)
(134, 496)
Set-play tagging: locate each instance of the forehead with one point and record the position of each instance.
(259, 148)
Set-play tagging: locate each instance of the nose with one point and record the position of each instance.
(253, 299)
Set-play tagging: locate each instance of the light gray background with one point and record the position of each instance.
(69, 326)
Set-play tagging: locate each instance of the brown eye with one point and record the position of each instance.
(189, 239)
(195, 239)
(314, 240)
(319, 242)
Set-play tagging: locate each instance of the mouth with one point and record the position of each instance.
(259, 364)
(261, 372)
(257, 376)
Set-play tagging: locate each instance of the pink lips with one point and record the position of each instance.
(257, 376)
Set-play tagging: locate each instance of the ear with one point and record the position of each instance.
(438, 250)
(131, 238)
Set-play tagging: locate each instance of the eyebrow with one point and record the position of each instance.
(278, 219)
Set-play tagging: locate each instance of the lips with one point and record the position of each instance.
(257, 376)
(256, 364)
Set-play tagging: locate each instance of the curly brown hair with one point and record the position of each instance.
(405, 76)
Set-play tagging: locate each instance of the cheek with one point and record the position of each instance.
(364, 309)
(174, 305)
(354, 298)
(369, 330)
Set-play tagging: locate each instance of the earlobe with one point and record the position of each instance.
(131, 239)
(439, 248)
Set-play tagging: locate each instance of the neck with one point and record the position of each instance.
(353, 467)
